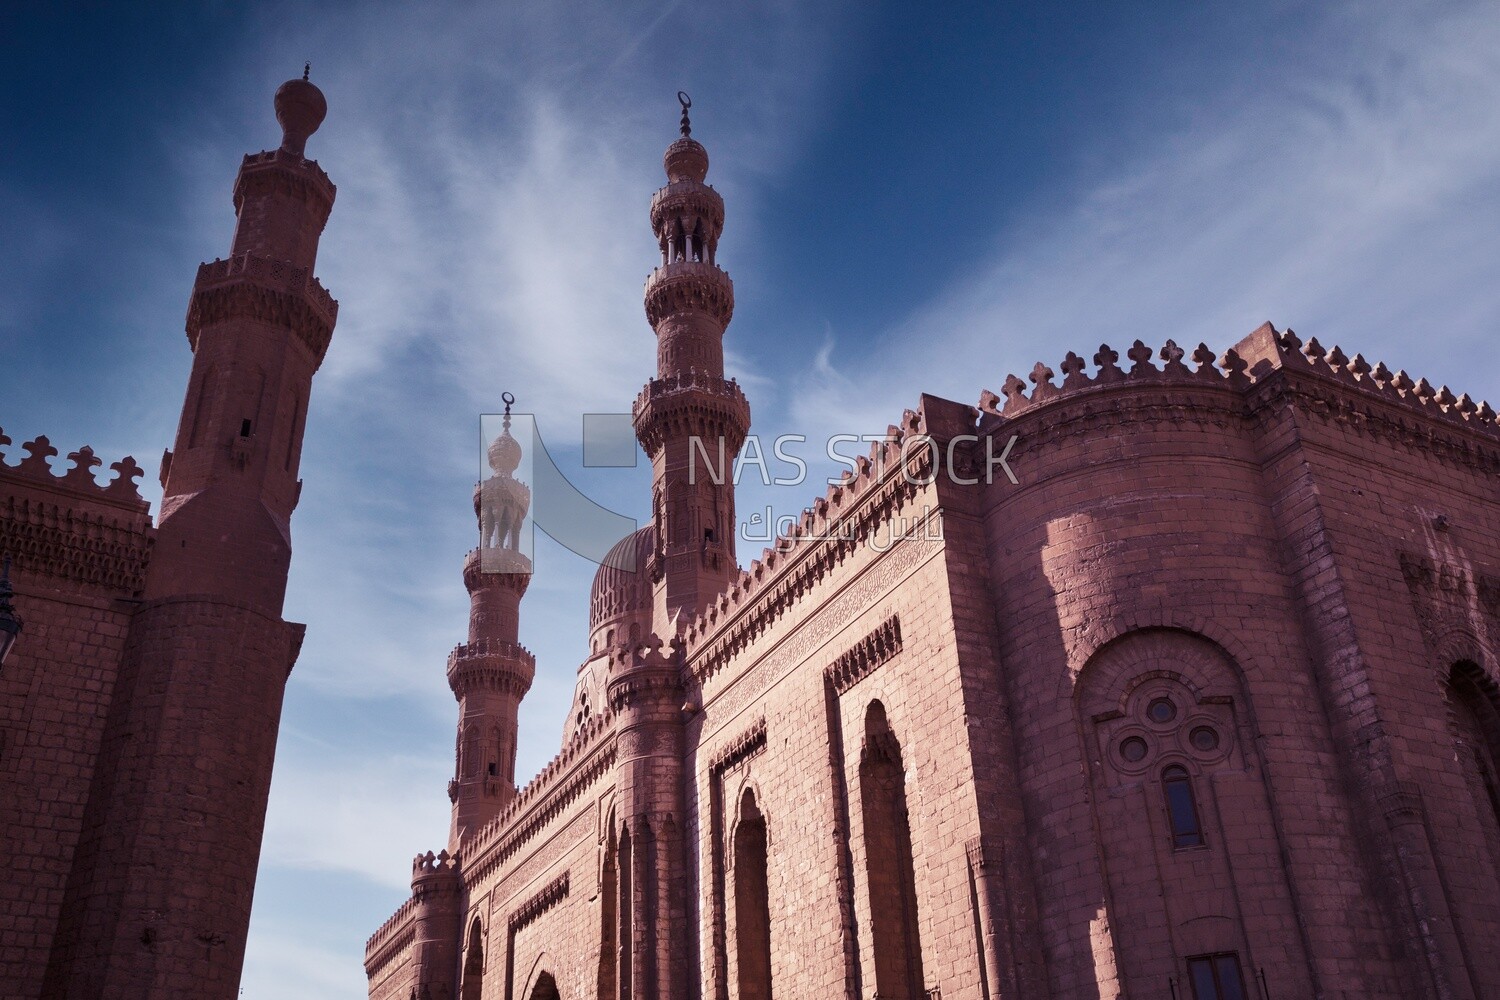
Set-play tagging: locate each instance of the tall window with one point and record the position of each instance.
(752, 904)
(473, 985)
(1216, 977)
(1182, 807)
(889, 868)
(609, 902)
(1475, 705)
(624, 912)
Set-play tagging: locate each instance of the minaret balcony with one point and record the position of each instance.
(688, 200)
(274, 291)
(691, 403)
(496, 567)
(491, 664)
(276, 274)
(689, 286)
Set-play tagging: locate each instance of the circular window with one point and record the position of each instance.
(1133, 748)
(1204, 738)
(1161, 710)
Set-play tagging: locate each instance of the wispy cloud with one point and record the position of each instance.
(1354, 202)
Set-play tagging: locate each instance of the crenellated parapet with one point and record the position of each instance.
(120, 491)
(849, 514)
(645, 673)
(69, 528)
(1265, 370)
(391, 939)
(491, 664)
(1256, 358)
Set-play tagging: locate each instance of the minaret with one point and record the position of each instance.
(259, 324)
(158, 903)
(492, 672)
(689, 419)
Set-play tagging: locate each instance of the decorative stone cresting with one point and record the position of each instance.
(79, 476)
(1231, 370)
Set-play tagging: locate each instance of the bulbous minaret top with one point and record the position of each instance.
(686, 159)
(501, 503)
(300, 108)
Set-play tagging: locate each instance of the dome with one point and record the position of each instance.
(686, 160)
(505, 454)
(300, 108)
(622, 594)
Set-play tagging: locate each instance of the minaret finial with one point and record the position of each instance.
(306, 69)
(509, 402)
(686, 102)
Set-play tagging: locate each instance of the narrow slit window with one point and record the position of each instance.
(1216, 977)
(1182, 807)
(244, 428)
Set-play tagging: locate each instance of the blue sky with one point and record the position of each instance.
(919, 199)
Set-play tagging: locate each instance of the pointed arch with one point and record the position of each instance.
(890, 869)
(473, 981)
(752, 902)
(545, 988)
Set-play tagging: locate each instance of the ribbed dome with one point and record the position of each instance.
(686, 160)
(622, 591)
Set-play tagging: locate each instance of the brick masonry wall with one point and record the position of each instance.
(79, 556)
(1386, 507)
(191, 740)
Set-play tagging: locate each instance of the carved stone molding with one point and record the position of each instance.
(243, 299)
(867, 654)
(739, 750)
(554, 893)
(55, 541)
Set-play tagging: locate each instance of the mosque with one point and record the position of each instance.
(1201, 705)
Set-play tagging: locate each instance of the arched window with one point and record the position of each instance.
(889, 868)
(752, 903)
(473, 984)
(1182, 807)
